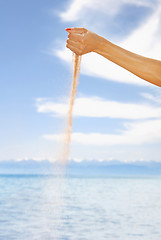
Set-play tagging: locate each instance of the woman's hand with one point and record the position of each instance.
(82, 41)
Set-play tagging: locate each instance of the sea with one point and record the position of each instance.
(44, 207)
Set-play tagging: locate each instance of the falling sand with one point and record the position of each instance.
(56, 186)
(66, 147)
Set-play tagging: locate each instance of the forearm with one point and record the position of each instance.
(145, 68)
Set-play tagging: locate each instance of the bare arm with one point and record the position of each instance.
(82, 41)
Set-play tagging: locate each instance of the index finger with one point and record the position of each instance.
(76, 30)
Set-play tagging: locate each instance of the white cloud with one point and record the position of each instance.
(73, 12)
(79, 9)
(135, 134)
(151, 97)
(45, 106)
(100, 108)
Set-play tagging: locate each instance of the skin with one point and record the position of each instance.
(82, 41)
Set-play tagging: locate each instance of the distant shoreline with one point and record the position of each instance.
(81, 169)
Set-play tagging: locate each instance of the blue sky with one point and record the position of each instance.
(116, 115)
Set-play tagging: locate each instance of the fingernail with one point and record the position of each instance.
(68, 29)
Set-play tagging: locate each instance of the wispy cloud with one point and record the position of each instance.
(135, 134)
(100, 108)
(79, 9)
(152, 98)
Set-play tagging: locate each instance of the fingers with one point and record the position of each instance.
(76, 37)
(76, 40)
(75, 47)
(75, 44)
(76, 30)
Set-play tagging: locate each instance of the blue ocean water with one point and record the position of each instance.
(37, 207)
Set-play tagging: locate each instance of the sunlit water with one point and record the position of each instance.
(47, 208)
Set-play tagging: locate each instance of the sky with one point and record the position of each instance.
(117, 116)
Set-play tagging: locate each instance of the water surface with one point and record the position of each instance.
(48, 208)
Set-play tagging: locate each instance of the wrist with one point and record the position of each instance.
(103, 47)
